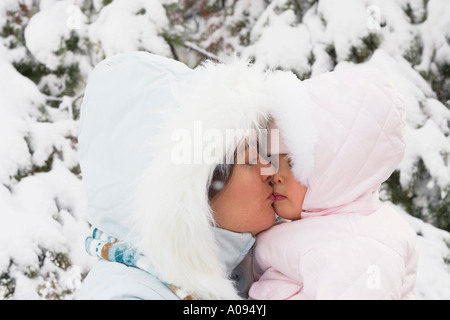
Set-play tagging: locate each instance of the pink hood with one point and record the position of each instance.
(358, 136)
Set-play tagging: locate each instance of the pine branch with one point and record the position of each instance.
(66, 102)
(202, 51)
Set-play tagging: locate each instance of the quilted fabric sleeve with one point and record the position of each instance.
(273, 285)
(352, 268)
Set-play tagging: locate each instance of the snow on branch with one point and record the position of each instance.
(66, 102)
(202, 51)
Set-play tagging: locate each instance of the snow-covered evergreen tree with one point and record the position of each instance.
(408, 39)
(49, 47)
(41, 197)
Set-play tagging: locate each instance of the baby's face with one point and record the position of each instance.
(289, 193)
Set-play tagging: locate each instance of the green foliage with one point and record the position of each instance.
(331, 51)
(435, 208)
(48, 286)
(106, 2)
(31, 69)
(439, 79)
(299, 7)
(400, 196)
(369, 43)
(215, 5)
(414, 53)
(447, 259)
(14, 34)
(16, 21)
(13, 31)
(440, 212)
(414, 17)
(7, 286)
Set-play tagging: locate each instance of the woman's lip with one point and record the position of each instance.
(271, 197)
(278, 197)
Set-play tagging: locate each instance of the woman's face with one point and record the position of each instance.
(245, 203)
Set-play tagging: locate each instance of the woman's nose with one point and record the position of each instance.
(266, 178)
(266, 171)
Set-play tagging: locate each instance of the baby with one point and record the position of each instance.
(340, 241)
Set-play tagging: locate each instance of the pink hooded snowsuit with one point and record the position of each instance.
(347, 245)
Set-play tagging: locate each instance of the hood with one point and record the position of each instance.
(358, 119)
(124, 103)
(147, 157)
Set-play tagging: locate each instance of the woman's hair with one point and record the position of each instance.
(220, 178)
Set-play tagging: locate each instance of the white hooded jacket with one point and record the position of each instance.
(136, 108)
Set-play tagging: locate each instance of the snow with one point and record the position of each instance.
(129, 25)
(435, 32)
(28, 218)
(15, 109)
(433, 245)
(270, 48)
(43, 214)
(426, 119)
(48, 29)
(429, 142)
(345, 22)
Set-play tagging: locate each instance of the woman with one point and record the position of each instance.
(154, 136)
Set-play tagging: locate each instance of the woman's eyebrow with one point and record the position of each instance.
(249, 145)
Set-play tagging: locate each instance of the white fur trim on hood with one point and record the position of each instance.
(174, 218)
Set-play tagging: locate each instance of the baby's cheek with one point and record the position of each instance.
(285, 210)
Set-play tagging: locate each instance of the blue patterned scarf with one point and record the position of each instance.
(108, 248)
